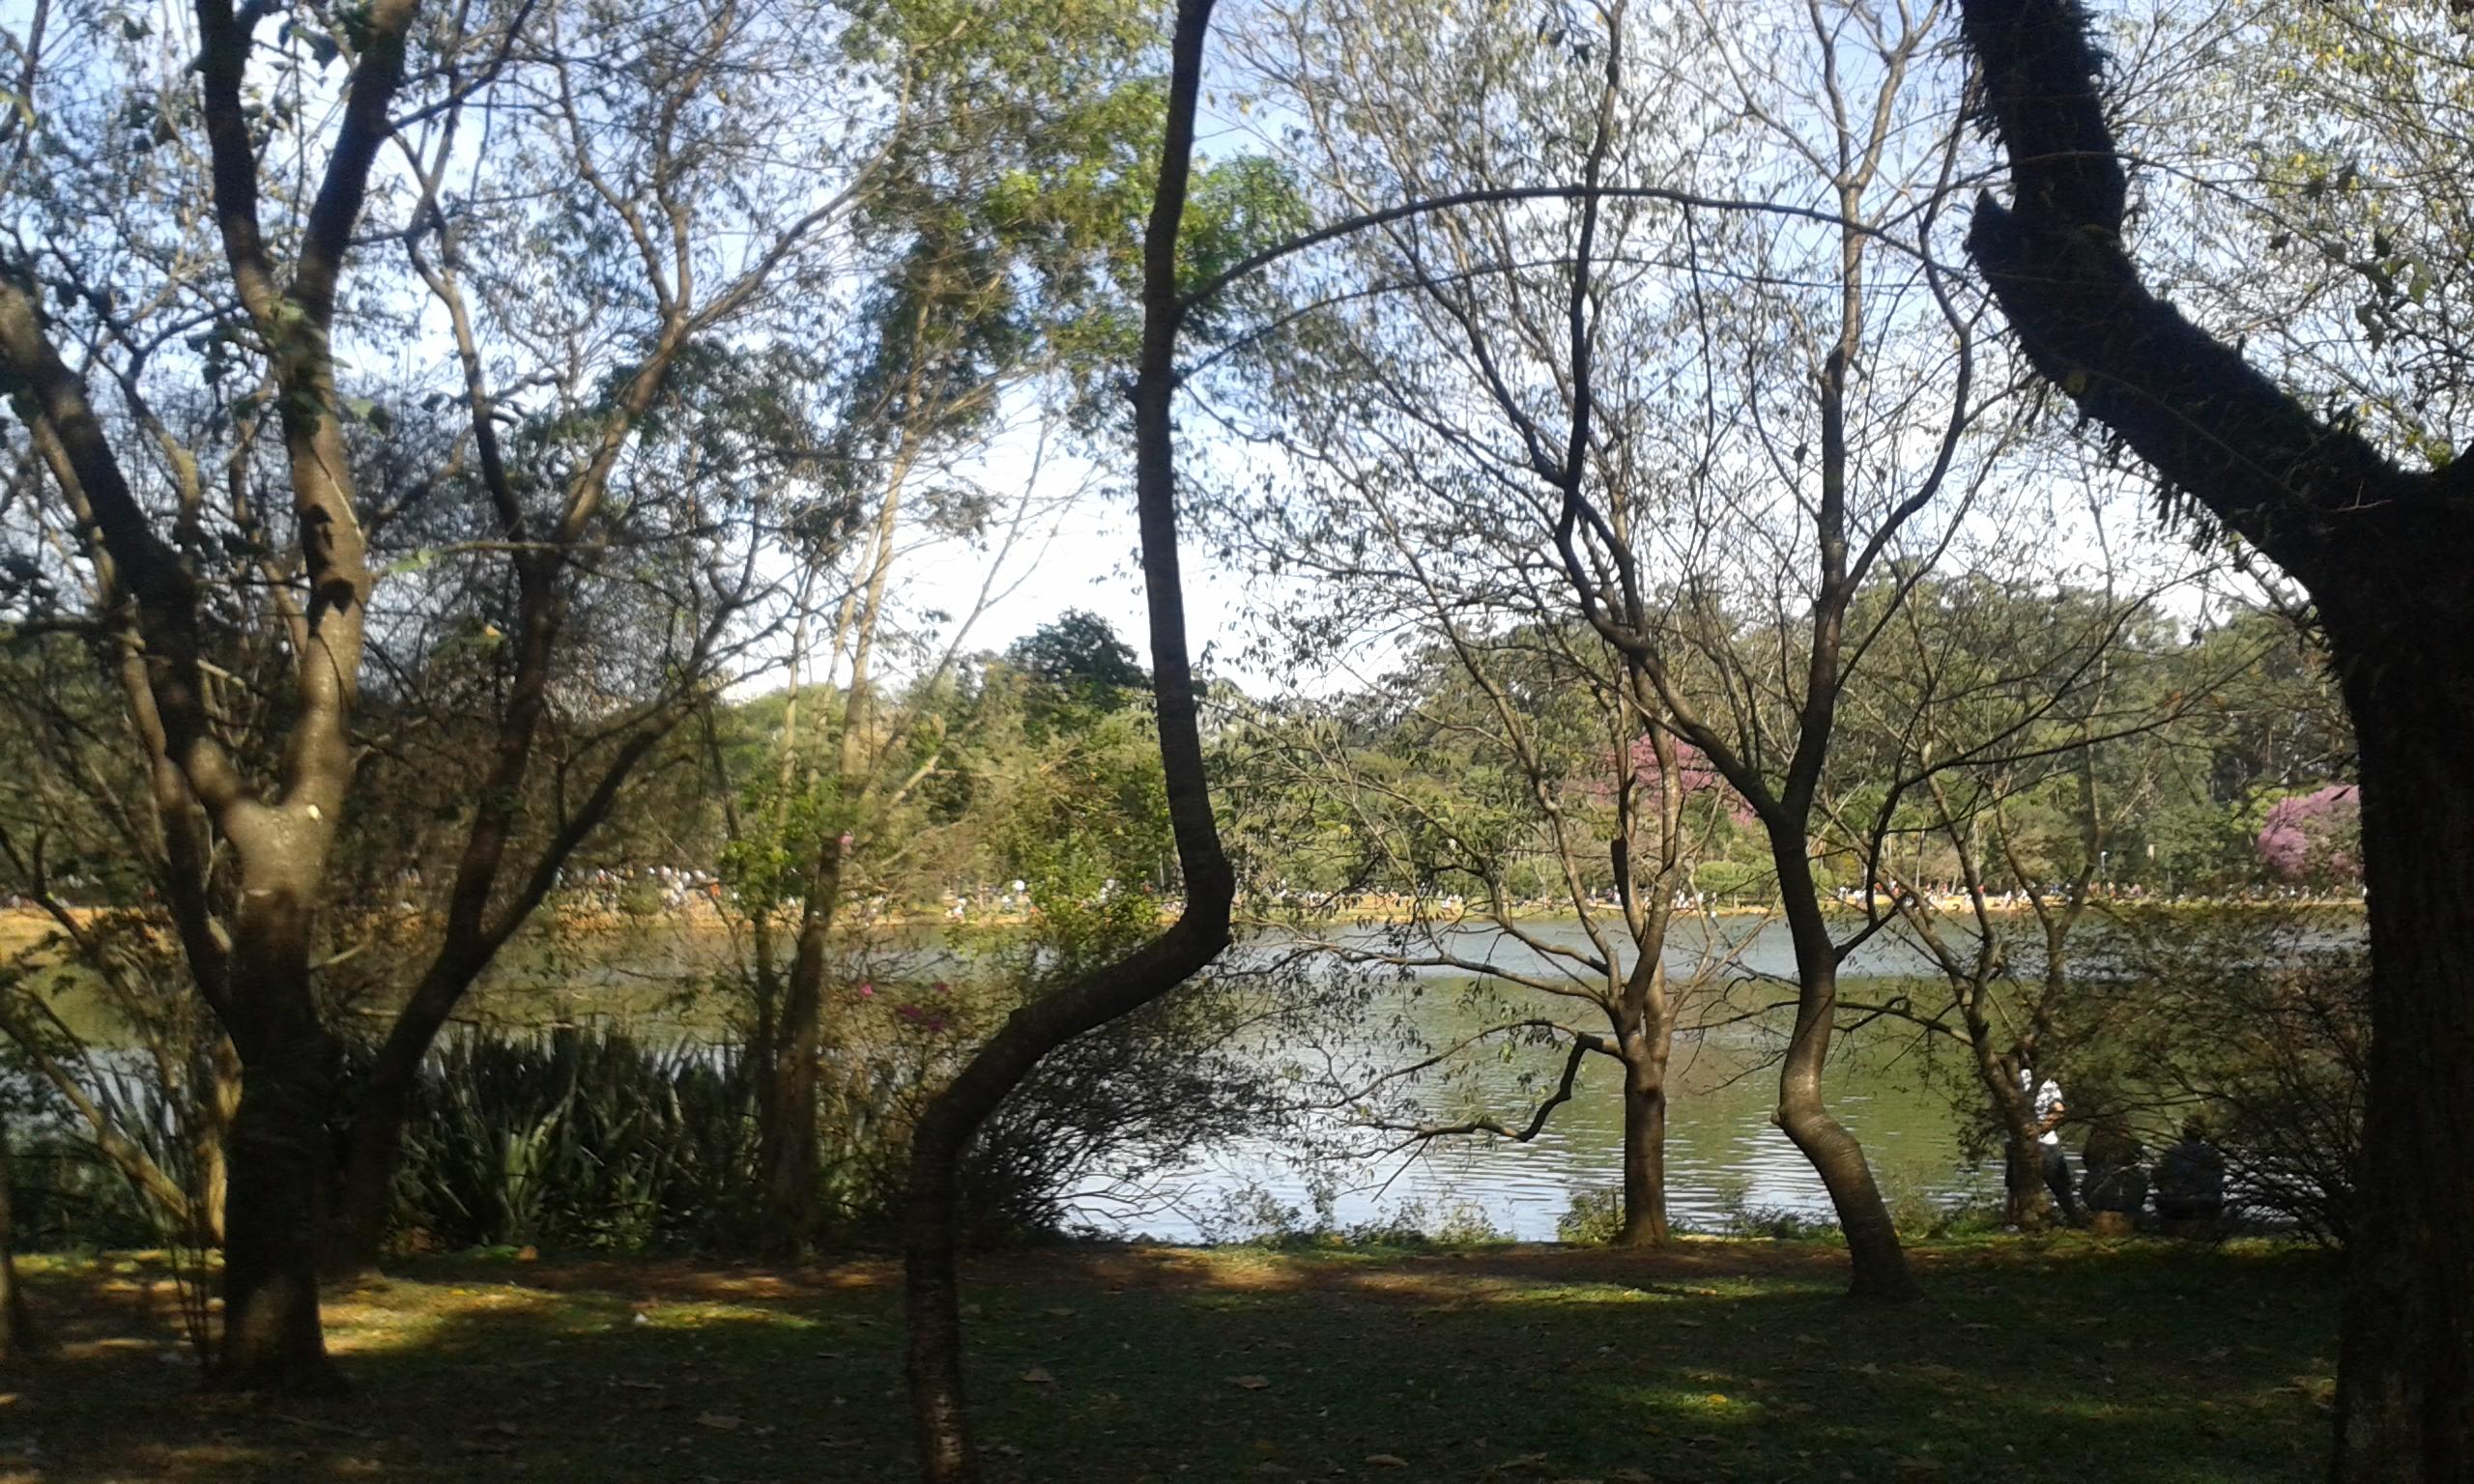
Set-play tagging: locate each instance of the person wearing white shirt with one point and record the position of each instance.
(2045, 1094)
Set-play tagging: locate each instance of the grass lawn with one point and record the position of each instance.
(2139, 1363)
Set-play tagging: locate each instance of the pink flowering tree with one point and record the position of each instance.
(1695, 775)
(2315, 839)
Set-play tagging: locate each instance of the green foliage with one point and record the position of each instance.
(1594, 1219)
(2255, 1017)
(580, 1140)
(1077, 672)
(63, 1196)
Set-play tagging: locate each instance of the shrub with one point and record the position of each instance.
(1595, 1218)
(580, 1139)
(2259, 1019)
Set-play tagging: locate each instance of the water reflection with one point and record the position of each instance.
(1725, 1157)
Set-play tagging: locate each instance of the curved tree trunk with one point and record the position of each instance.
(2381, 550)
(1879, 1262)
(931, 1303)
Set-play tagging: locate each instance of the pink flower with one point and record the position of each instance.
(944, 987)
(867, 990)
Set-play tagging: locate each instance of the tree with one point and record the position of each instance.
(1624, 382)
(2376, 545)
(1995, 761)
(1000, 233)
(1505, 769)
(227, 543)
(18, 1334)
(1516, 756)
(931, 1304)
(254, 968)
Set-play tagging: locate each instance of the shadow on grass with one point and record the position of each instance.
(1721, 1361)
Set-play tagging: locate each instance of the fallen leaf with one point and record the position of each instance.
(1385, 1461)
(1250, 1382)
(718, 1421)
(1037, 1376)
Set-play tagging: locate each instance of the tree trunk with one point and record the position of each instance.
(2380, 550)
(356, 1236)
(932, 1361)
(366, 1197)
(222, 1103)
(1643, 1152)
(1873, 1246)
(281, 1161)
(931, 1316)
(2405, 1369)
(798, 1040)
(17, 1335)
(280, 1167)
(2024, 1202)
(765, 988)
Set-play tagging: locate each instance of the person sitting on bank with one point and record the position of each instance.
(2115, 1182)
(2190, 1176)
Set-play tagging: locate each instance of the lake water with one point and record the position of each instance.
(1725, 1157)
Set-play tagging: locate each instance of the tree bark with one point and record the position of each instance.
(2406, 1368)
(1879, 1263)
(1644, 1223)
(18, 1335)
(281, 1161)
(798, 1040)
(2025, 1203)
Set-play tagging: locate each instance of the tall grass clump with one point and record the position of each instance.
(580, 1139)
